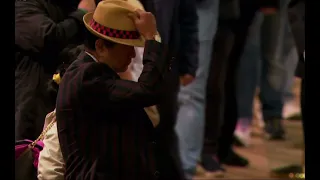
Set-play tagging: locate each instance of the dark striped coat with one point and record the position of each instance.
(103, 129)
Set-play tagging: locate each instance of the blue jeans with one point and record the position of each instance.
(265, 62)
(191, 114)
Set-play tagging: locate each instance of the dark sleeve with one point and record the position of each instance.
(119, 93)
(36, 32)
(188, 54)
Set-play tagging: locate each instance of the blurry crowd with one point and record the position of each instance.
(198, 91)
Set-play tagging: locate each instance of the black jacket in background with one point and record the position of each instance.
(44, 33)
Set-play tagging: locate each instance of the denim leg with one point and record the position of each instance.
(271, 99)
(190, 119)
(248, 70)
(291, 61)
(273, 75)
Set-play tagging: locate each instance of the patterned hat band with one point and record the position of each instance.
(115, 33)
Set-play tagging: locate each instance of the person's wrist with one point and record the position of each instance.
(149, 36)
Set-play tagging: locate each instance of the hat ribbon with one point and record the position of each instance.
(115, 33)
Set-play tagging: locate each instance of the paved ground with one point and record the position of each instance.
(265, 155)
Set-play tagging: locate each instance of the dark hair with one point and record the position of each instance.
(90, 41)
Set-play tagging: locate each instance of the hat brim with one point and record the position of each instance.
(129, 42)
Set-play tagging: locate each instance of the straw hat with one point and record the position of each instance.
(110, 21)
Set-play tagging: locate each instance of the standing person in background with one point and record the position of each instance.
(46, 34)
(265, 67)
(191, 115)
(228, 24)
(235, 17)
(177, 23)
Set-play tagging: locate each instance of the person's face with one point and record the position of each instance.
(118, 57)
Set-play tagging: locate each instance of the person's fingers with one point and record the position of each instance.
(139, 12)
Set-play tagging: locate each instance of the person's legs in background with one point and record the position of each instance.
(191, 115)
(223, 42)
(247, 81)
(237, 29)
(291, 109)
(296, 16)
(273, 71)
(291, 112)
(215, 98)
(290, 58)
(251, 65)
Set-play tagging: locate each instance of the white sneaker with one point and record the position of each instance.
(243, 137)
(243, 131)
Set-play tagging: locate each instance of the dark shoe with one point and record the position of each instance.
(212, 166)
(233, 159)
(286, 171)
(274, 129)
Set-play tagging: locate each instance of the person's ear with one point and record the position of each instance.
(100, 47)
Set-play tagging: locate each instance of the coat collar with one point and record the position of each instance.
(87, 58)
